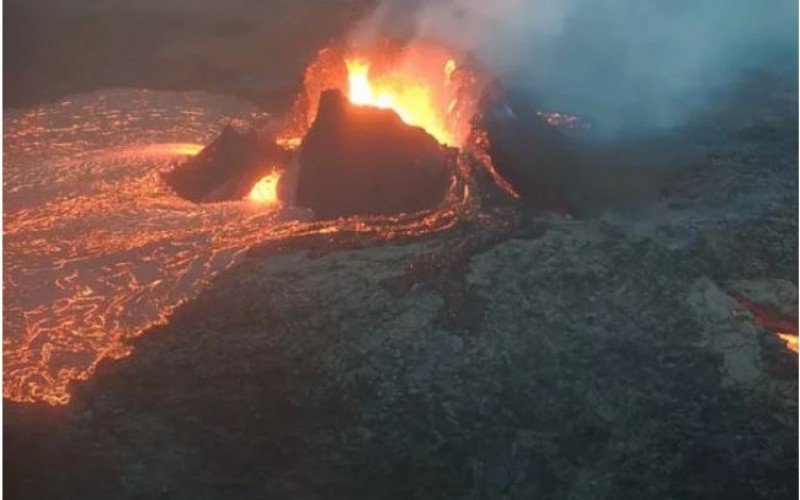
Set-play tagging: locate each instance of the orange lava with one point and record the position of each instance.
(480, 143)
(401, 92)
(265, 191)
(422, 82)
(785, 328)
(169, 149)
(789, 340)
(98, 250)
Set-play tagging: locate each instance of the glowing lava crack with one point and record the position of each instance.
(98, 249)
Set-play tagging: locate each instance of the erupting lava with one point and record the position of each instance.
(98, 249)
(265, 191)
(421, 82)
(410, 99)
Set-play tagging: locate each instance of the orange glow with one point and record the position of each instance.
(449, 68)
(771, 320)
(167, 149)
(149, 251)
(400, 92)
(265, 191)
(188, 149)
(421, 82)
(289, 142)
(790, 340)
(480, 143)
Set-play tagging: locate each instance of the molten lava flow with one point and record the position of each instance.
(188, 149)
(73, 297)
(175, 149)
(265, 191)
(480, 148)
(785, 328)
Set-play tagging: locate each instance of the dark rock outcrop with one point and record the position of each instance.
(227, 168)
(534, 157)
(365, 160)
(555, 170)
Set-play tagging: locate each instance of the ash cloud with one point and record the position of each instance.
(628, 65)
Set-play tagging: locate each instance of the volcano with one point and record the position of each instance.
(366, 160)
(373, 132)
(354, 160)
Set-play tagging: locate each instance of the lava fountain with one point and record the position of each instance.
(424, 83)
(98, 249)
(412, 101)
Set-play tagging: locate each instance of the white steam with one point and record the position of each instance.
(626, 64)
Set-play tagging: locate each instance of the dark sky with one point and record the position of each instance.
(246, 47)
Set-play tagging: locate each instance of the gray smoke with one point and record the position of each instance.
(626, 64)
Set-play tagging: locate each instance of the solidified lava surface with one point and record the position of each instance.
(516, 354)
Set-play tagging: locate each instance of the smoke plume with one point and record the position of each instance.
(628, 65)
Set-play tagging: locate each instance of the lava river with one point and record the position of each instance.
(97, 249)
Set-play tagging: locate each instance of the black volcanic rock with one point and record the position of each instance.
(365, 160)
(227, 168)
(558, 171)
(537, 159)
